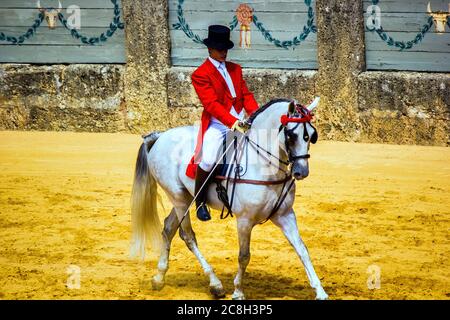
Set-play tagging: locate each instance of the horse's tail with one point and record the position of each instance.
(146, 226)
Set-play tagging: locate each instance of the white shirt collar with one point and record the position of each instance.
(216, 63)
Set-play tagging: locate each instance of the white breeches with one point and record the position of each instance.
(212, 144)
(213, 139)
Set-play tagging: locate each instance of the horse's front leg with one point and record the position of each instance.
(288, 224)
(244, 227)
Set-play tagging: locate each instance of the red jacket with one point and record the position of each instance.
(216, 99)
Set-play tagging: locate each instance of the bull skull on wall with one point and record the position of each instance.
(439, 18)
(50, 14)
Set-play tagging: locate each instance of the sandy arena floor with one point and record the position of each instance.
(64, 199)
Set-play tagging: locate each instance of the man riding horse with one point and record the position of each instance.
(276, 153)
(224, 95)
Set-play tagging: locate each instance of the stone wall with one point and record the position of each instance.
(62, 97)
(404, 107)
(148, 93)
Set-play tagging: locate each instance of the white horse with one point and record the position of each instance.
(162, 160)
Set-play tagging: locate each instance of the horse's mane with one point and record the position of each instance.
(264, 107)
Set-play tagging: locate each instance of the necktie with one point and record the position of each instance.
(222, 70)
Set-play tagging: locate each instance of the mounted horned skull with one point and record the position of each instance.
(439, 17)
(50, 14)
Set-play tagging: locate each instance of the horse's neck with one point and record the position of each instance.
(265, 132)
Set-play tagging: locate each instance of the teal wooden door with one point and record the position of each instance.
(58, 45)
(404, 22)
(280, 33)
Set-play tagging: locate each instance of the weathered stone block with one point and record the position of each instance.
(404, 107)
(58, 97)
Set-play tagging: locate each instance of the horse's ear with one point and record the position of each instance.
(313, 104)
(291, 108)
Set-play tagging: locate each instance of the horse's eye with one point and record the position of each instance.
(292, 138)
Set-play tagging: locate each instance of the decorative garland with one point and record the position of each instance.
(113, 26)
(401, 44)
(30, 32)
(307, 29)
(234, 23)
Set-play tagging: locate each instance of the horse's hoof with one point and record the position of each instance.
(321, 296)
(157, 284)
(217, 292)
(238, 296)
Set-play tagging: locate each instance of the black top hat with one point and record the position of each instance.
(218, 38)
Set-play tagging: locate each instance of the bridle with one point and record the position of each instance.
(301, 116)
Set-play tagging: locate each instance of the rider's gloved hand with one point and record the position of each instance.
(241, 125)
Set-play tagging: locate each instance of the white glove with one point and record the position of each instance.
(241, 125)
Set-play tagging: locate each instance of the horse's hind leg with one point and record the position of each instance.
(170, 229)
(288, 224)
(188, 235)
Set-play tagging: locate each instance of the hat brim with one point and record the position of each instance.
(218, 45)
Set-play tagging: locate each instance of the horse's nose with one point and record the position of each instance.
(300, 170)
(301, 174)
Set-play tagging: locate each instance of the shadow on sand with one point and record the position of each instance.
(258, 285)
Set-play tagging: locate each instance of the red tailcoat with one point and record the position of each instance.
(216, 99)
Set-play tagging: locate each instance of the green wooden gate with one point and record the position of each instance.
(282, 32)
(406, 21)
(98, 21)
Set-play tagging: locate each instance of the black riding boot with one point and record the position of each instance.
(200, 201)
